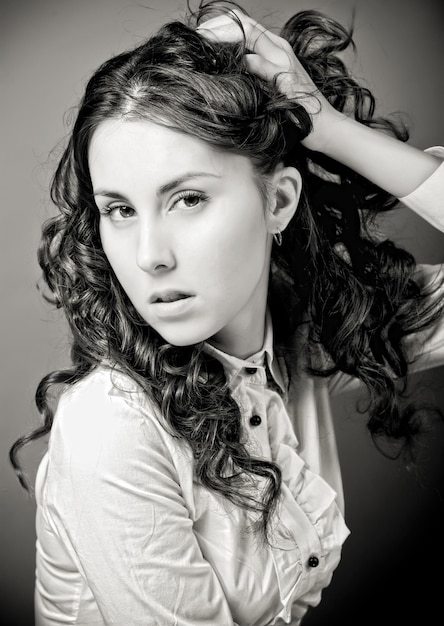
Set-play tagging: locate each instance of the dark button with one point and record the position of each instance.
(255, 420)
(313, 561)
(251, 370)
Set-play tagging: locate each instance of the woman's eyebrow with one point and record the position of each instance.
(183, 179)
(167, 187)
(110, 194)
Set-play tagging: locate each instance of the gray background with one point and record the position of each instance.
(48, 49)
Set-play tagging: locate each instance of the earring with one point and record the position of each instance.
(278, 238)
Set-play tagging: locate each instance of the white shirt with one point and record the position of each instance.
(125, 536)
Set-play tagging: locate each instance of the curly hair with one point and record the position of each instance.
(355, 294)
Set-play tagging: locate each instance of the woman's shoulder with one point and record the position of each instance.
(107, 430)
(105, 404)
(104, 386)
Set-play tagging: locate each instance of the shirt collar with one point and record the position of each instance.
(235, 366)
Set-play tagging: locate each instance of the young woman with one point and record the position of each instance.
(217, 263)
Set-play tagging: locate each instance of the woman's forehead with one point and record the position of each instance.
(126, 150)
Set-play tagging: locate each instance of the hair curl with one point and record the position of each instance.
(358, 306)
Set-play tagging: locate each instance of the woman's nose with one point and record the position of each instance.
(154, 250)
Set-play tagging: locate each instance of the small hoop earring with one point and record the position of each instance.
(278, 238)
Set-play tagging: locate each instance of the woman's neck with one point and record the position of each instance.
(244, 342)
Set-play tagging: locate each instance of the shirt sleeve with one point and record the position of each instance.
(426, 348)
(116, 500)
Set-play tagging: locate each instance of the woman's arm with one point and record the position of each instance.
(427, 200)
(114, 495)
(391, 164)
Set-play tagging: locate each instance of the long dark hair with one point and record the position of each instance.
(354, 294)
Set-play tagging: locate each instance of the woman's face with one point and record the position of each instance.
(184, 229)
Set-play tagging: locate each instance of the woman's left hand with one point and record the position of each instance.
(391, 164)
(272, 58)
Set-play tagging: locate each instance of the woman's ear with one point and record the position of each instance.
(285, 191)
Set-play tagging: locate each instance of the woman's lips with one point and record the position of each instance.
(168, 295)
(172, 304)
(172, 296)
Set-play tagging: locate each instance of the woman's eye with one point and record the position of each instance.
(118, 212)
(189, 200)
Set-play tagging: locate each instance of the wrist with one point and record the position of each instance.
(328, 132)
